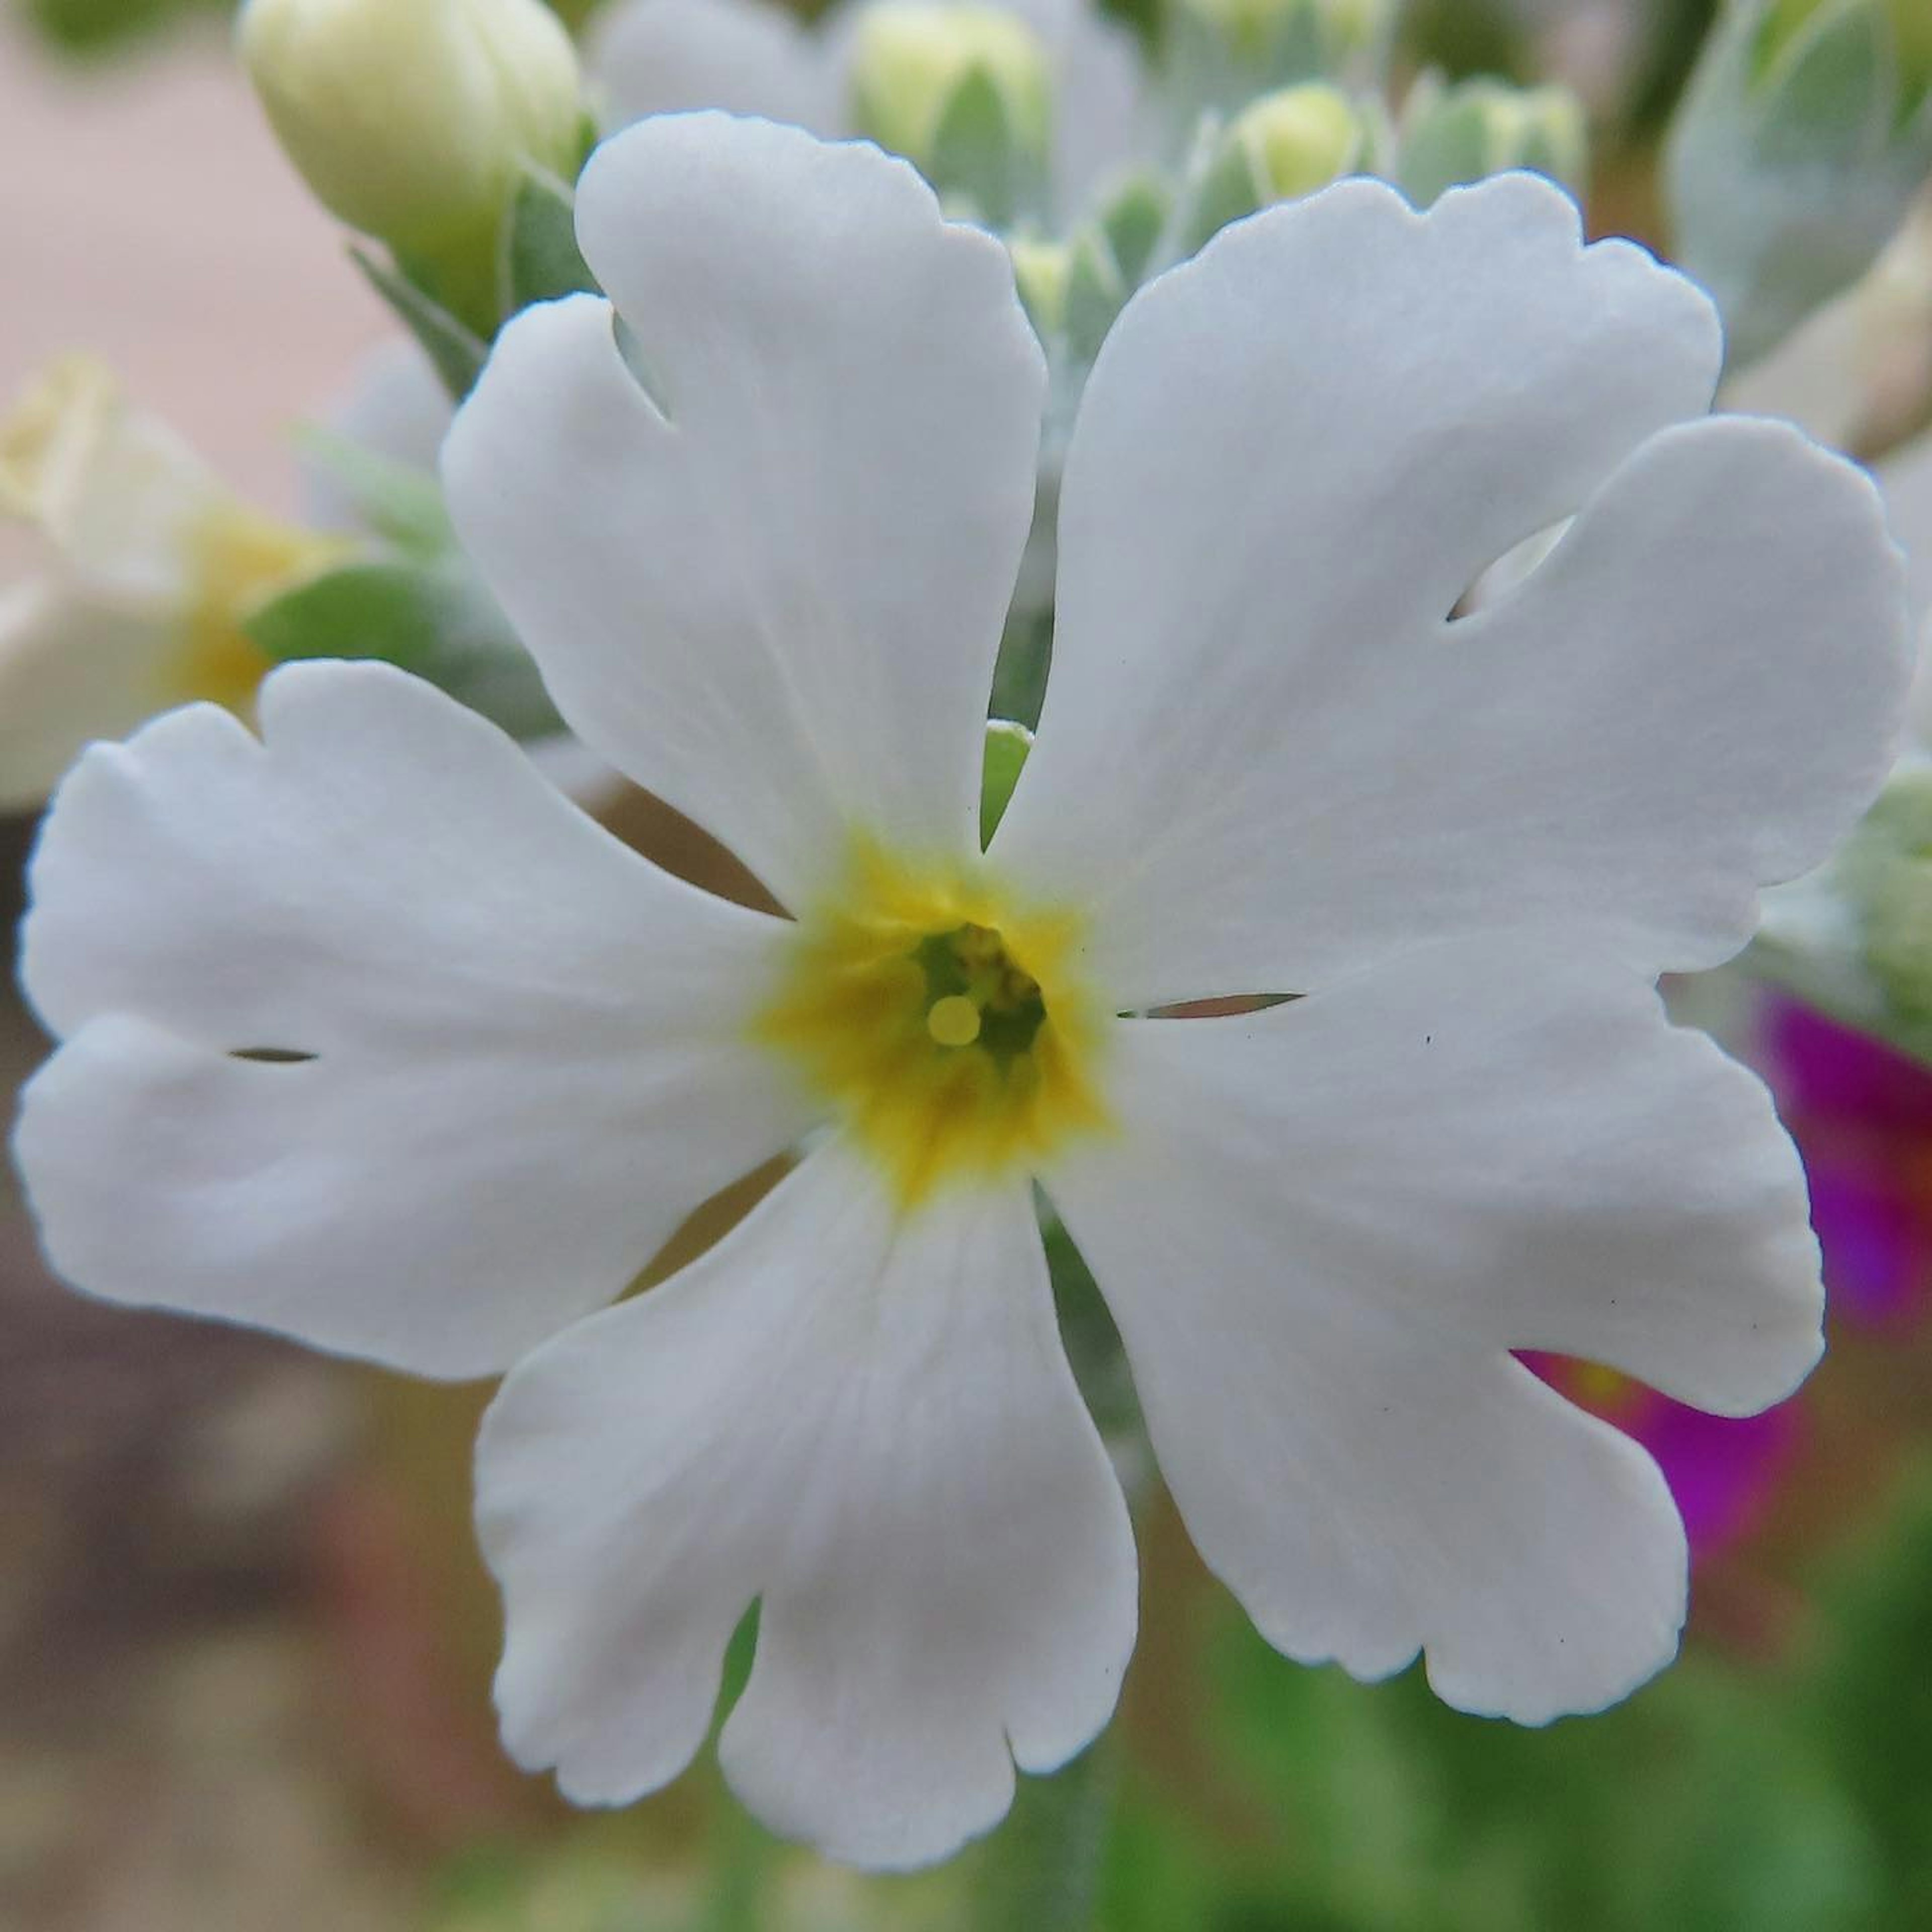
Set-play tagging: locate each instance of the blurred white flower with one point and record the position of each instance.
(755, 57)
(369, 1037)
(144, 568)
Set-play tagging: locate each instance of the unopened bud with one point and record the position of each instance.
(413, 120)
(1465, 133)
(1041, 270)
(910, 60)
(1300, 140)
(1284, 145)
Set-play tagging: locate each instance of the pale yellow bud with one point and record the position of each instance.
(1041, 270)
(1330, 34)
(412, 119)
(1300, 140)
(909, 59)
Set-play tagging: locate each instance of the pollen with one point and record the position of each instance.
(948, 1028)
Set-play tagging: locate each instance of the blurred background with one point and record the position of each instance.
(245, 1640)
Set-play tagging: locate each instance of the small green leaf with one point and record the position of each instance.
(437, 621)
(401, 504)
(457, 352)
(1007, 745)
(541, 261)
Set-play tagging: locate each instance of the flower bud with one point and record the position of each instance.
(1041, 270)
(1276, 41)
(911, 61)
(1300, 140)
(1284, 145)
(413, 120)
(1454, 135)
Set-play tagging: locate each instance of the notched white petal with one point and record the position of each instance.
(775, 597)
(867, 1423)
(1324, 1228)
(369, 1036)
(1260, 549)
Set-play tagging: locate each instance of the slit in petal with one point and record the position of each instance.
(1505, 575)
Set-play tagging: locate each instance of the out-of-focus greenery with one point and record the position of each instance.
(95, 26)
(1789, 1796)
(99, 26)
(1727, 1797)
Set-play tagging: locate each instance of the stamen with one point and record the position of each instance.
(953, 1021)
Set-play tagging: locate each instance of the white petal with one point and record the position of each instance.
(73, 668)
(527, 1064)
(1321, 1227)
(868, 1424)
(1261, 545)
(777, 604)
(746, 56)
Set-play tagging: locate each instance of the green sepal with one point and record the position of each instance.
(540, 259)
(1452, 135)
(1026, 654)
(979, 157)
(1222, 189)
(435, 620)
(1095, 293)
(1133, 221)
(400, 503)
(1007, 745)
(455, 349)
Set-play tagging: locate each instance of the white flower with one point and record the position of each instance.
(762, 544)
(755, 57)
(146, 568)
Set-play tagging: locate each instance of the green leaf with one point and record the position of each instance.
(541, 261)
(457, 352)
(435, 620)
(401, 504)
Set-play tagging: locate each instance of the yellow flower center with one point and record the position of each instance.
(237, 560)
(946, 1026)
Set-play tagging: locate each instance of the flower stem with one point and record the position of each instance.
(734, 1898)
(1043, 1869)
